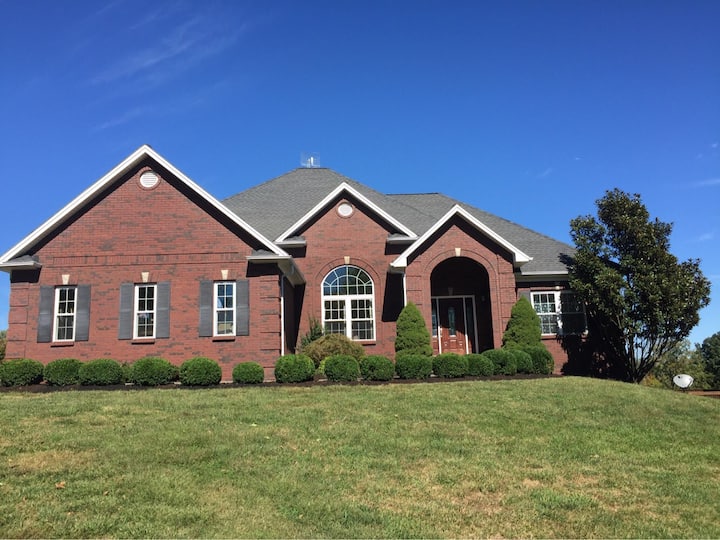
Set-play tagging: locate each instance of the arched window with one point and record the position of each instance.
(348, 300)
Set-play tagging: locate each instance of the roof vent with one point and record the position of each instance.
(309, 161)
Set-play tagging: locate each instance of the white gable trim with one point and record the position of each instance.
(519, 258)
(59, 219)
(344, 187)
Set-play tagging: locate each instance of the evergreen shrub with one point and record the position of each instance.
(101, 372)
(62, 372)
(342, 368)
(152, 371)
(293, 368)
(331, 344)
(412, 336)
(503, 361)
(480, 366)
(248, 373)
(523, 361)
(200, 371)
(523, 328)
(542, 360)
(413, 366)
(450, 365)
(20, 372)
(377, 368)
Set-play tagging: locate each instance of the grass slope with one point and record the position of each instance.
(565, 457)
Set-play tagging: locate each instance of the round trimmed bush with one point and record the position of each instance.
(342, 368)
(152, 371)
(503, 361)
(20, 372)
(542, 360)
(377, 368)
(101, 372)
(62, 372)
(200, 371)
(480, 366)
(248, 373)
(330, 345)
(523, 361)
(413, 366)
(293, 368)
(450, 365)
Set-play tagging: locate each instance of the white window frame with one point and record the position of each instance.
(337, 300)
(557, 313)
(137, 312)
(58, 314)
(218, 308)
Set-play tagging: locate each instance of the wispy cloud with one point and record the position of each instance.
(708, 183)
(706, 237)
(194, 40)
(124, 118)
(547, 172)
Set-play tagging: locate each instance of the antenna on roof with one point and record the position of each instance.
(309, 160)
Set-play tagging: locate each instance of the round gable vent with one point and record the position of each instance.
(149, 179)
(345, 209)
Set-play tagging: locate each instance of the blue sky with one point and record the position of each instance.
(529, 110)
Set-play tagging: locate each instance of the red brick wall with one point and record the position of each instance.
(330, 239)
(131, 230)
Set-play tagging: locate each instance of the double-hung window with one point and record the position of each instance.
(348, 300)
(560, 312)
(224, 312)
(145, 304)
(65, 303)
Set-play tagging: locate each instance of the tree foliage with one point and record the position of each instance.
(3, 343)
(710, 351)
(412, 336)
(523, 328)
(642, 300)
(682, 358)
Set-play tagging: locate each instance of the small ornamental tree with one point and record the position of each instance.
(640, 300)
(412, 336)
(3, 343)
(523, 328)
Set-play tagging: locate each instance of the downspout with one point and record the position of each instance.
(404, 282)
(282, 315)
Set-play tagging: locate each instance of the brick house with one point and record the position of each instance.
(145, 262)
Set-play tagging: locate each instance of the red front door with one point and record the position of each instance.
(451, 330)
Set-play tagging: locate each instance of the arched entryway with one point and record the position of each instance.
(461, 311)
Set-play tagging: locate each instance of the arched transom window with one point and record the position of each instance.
(347, 295)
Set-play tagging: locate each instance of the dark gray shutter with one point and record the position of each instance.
(125, 321)
(45, 317)
(242, 287)
(162, 330)
(82, 313)
(206, 308)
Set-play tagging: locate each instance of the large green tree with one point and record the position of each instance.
(710, 351)
(640, 299)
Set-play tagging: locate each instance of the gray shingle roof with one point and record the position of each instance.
(273, 206)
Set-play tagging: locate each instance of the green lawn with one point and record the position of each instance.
(559, 457)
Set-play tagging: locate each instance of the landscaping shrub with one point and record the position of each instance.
(248, 373)
(152, 371)
(20, 372)
(200, 371)
(413, 366)
(479, 365)
(523, 361)
(450, 365)
(523, 328)
(377, 368)
(293, 368)
(62, 372)
(412, 336)
(542, 360)
(342, 368)
(101, 372)
(503, 361)
(331, 344)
